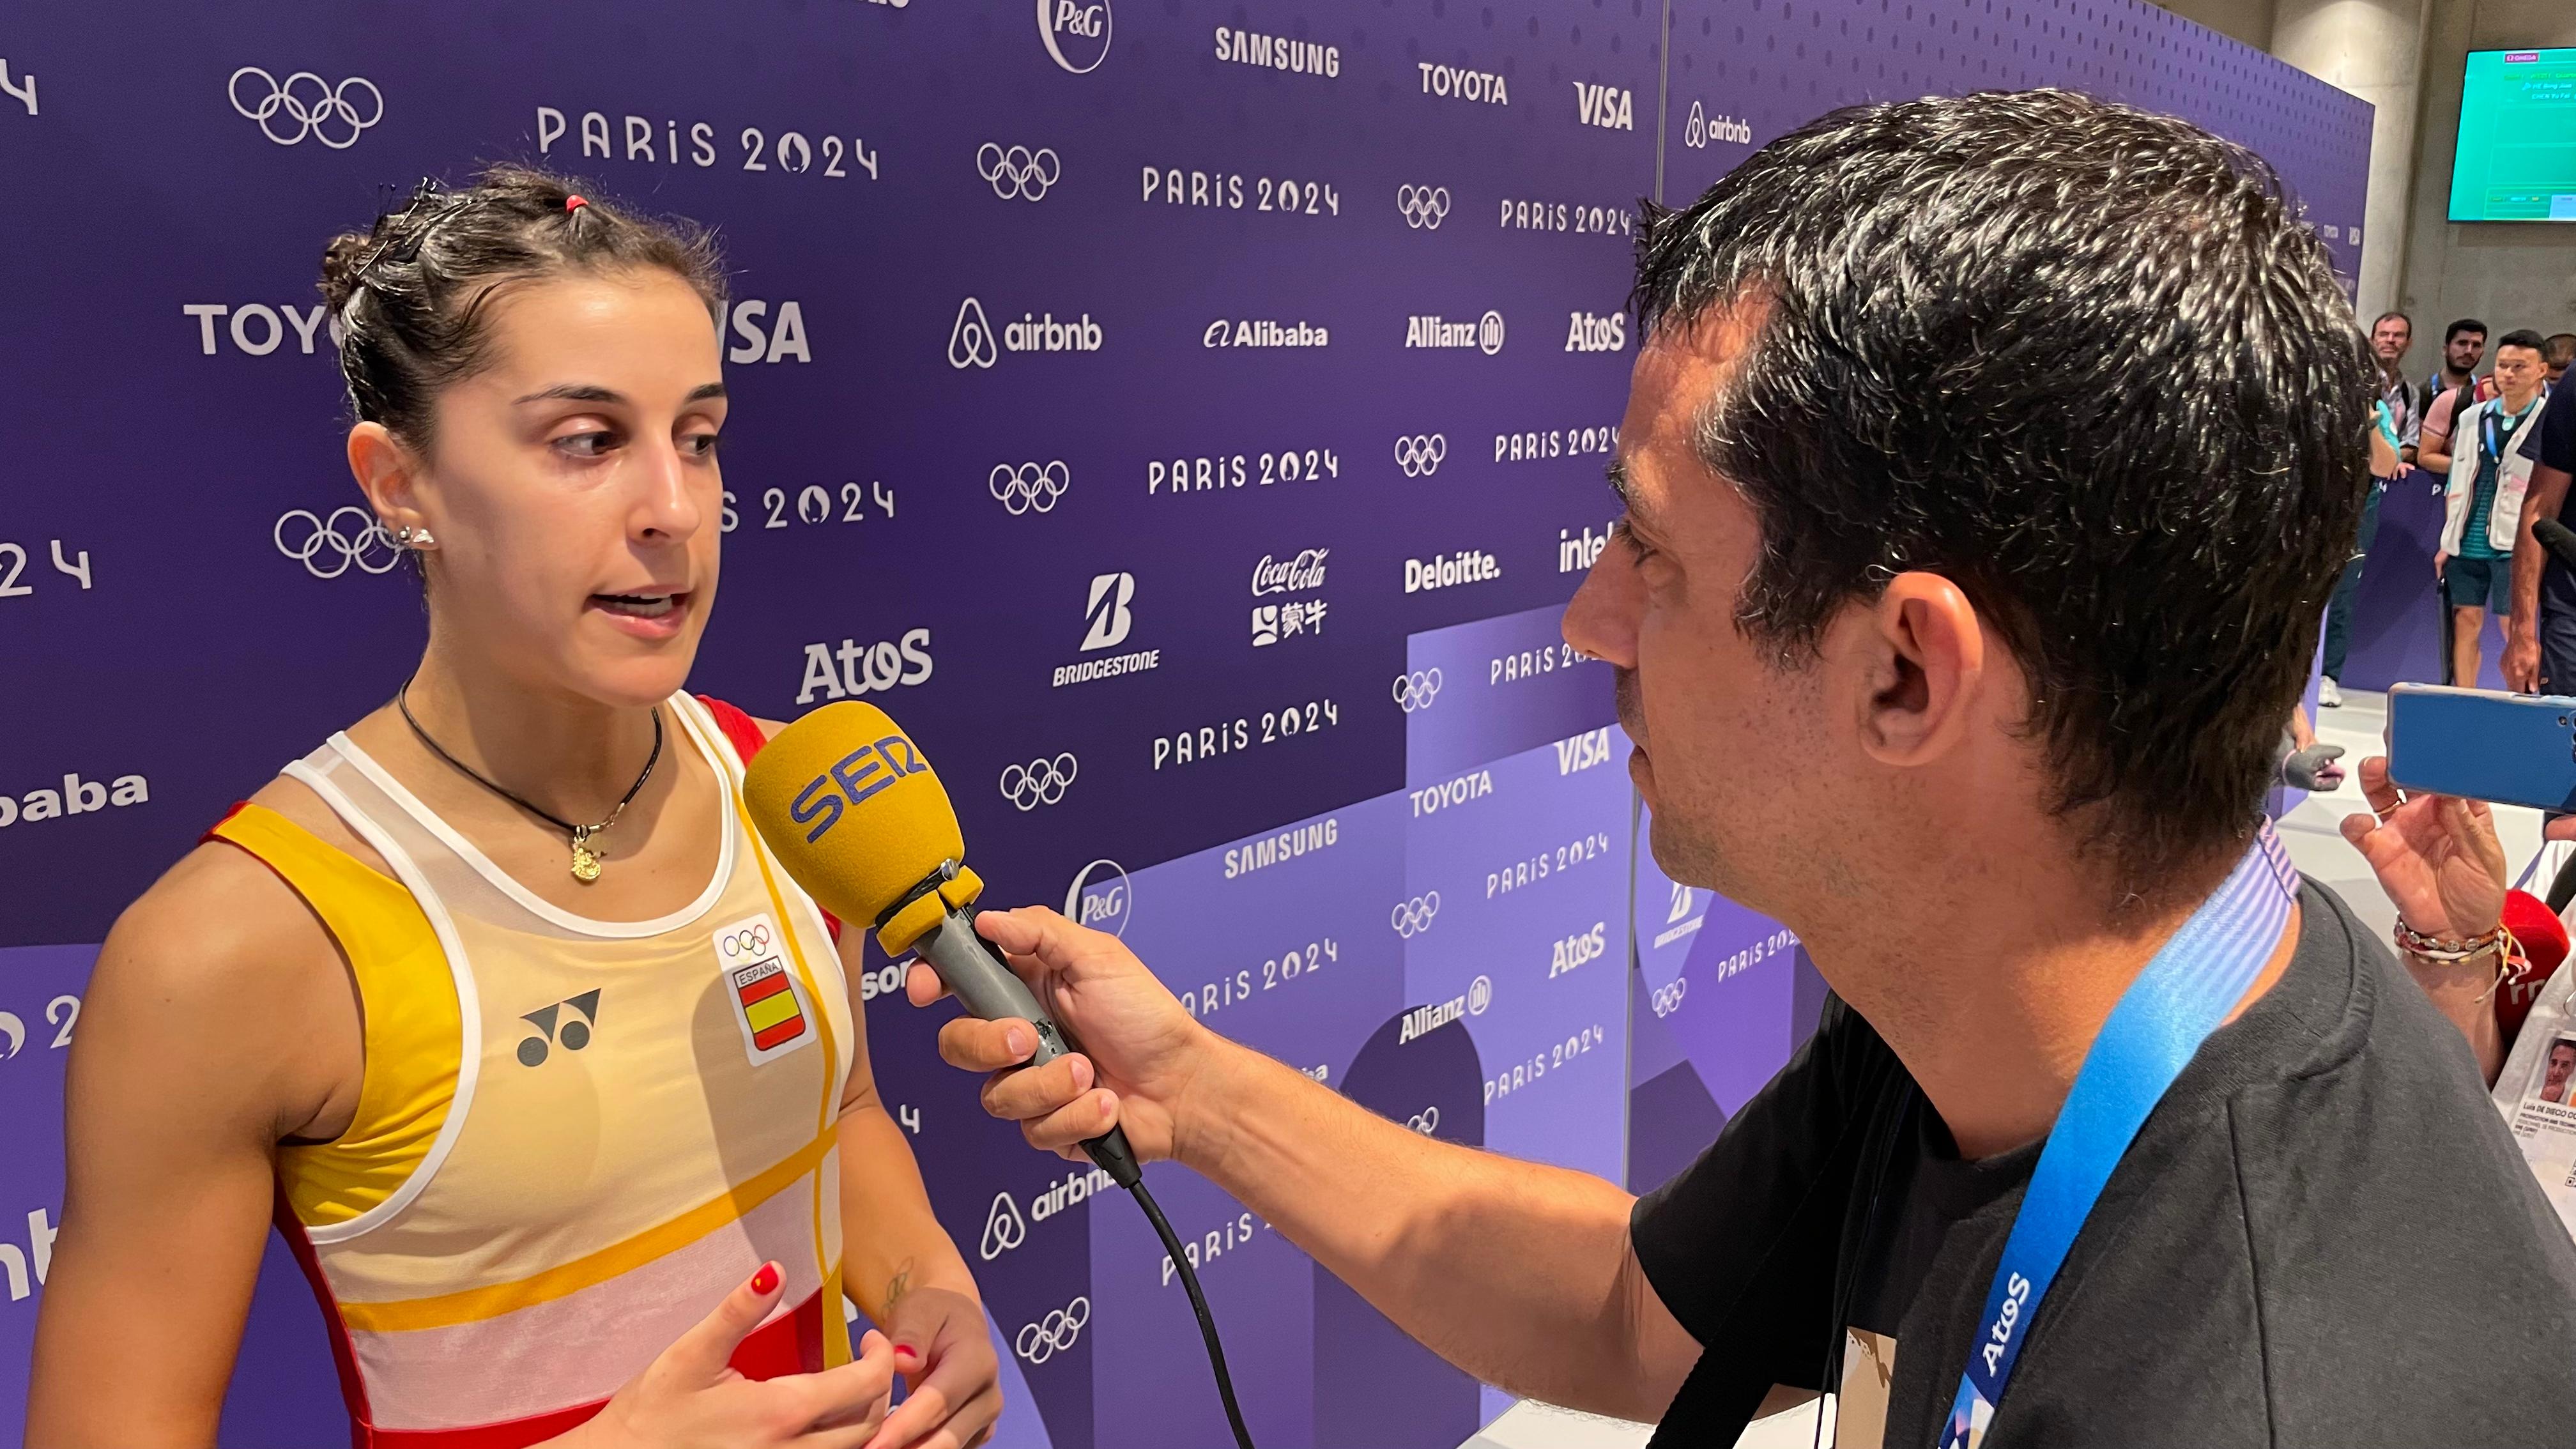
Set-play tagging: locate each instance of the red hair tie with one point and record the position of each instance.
(575, 203)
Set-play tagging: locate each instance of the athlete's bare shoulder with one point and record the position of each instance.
(225, 951)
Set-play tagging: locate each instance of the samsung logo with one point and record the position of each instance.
(1275, 52)
(1270, 850)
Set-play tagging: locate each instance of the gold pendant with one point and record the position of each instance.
(585, 865)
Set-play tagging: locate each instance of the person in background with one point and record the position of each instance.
(2555, 353)
(2402, 403)
(2464, 343)
(2540, 644)
(2483, 506)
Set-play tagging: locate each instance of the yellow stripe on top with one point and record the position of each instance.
(412, 1026)
(595, 1268)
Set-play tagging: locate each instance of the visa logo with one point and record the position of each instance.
(858, 775)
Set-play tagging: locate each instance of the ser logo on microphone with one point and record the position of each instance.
(853, 778)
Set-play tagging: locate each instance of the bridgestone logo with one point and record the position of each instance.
(1115, 664)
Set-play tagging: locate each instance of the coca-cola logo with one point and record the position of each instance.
(1289, 576)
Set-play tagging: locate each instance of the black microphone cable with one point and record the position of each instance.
(1198, 1301)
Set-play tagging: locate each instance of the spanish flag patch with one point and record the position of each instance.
(769, 1005)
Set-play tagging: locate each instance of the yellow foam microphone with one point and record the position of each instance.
(850, 806)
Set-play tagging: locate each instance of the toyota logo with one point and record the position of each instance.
(1017, 172)
(327, 547)
(1417, 690)
(1054, 1333)
(1489, 333)
(1424, 207)
(1412, 918)
(1419, 455)
(1039, 782)
(1029, 487)
(306, 103)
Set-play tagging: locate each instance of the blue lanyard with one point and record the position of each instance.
(2487, 422)
(2161, 1020)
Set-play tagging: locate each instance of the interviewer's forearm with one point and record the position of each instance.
(1510, 1270)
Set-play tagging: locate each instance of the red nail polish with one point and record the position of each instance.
(765, 1279)
(905, 1350)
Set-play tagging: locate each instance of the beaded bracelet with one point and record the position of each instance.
(2450, 953)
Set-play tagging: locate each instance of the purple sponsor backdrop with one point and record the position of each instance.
(1323, 285)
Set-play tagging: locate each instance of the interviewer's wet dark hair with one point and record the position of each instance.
(409, 295)
(2086, 362)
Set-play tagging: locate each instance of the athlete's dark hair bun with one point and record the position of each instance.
(407, 294)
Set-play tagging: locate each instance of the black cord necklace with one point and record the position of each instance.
(585, 861)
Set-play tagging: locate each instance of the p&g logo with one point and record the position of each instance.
(1075, 33)
(856, 776)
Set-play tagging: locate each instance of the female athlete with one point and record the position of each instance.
(552, 1078)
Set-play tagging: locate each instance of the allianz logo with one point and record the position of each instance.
(1462, 84)
(1006, 1228)
(1610, 107)
(76, 797)
(26, 1270)
(1423, 1020)
(854, 668)
(973, 343)
(1430, 329)
(1592, 332)
(1289, 576)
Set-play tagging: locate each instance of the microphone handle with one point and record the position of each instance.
(991, 990)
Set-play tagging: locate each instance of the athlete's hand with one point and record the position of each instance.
(945, 1355)
(1140, 1048)
(692, 1397)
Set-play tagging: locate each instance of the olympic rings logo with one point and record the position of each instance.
(1412, 918)
(1424, 207)
(751, 941)
(1039, 782)
(1054, 1333)
(1018, 173)
(1426, 1121)
(1420, 454)
(1417, 690)
(328, 547)
(1029, 486)
(316, 107)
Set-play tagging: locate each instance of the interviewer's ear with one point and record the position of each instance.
(1922, 655)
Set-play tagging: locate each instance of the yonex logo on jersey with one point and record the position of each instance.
(768, 1004)
(567, 1023)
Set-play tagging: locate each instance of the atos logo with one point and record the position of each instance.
(853, 778)
(1606, 106)
(1076, 34)
(1590, 332)
(567, 1024)
(785, 336)
(857, 668)
(1101, 897)
(1107, 613)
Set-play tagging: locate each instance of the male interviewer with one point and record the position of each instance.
(1988, 464)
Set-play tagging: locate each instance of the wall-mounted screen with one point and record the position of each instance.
(2517, 156)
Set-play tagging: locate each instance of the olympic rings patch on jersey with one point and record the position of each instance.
(768, 1001)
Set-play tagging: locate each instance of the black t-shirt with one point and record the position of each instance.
(2553, 445)
(2322, 1236)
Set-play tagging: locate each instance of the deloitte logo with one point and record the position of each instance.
(972, 342)
(1101, 897)
(1076, 34)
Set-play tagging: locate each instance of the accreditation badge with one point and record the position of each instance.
(764, 997)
